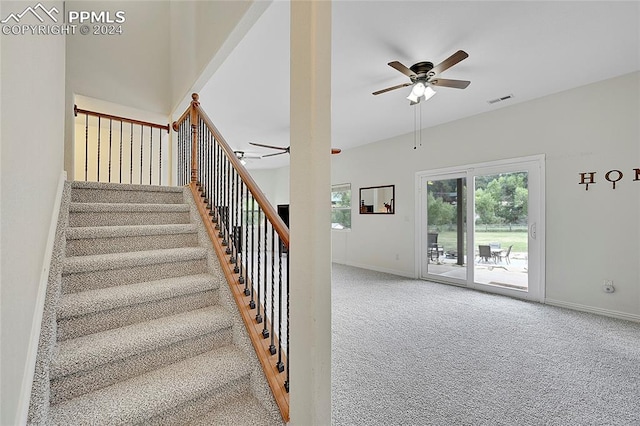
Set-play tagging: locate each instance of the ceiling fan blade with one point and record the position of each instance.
(269, 146)
(336, 150)
(444, 82)
(450, 61)
(388, 89)
(404, 70)
(271, 155)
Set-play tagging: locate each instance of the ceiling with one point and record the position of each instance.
(528, 49)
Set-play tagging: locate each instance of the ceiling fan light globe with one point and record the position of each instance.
(418, 89)
(428, 92)
(413, 98)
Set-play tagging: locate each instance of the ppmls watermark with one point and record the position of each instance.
(40, 20)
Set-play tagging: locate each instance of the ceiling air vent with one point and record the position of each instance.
(496, 100)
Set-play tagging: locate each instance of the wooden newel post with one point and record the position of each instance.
(194, 137)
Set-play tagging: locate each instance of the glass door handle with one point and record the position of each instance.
(532, 231)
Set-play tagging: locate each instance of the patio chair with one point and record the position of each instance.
(433, 248)
(484, 253)
(505, 256)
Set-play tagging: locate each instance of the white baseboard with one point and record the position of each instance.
(593, 310)
(376, 268)
(36, 325)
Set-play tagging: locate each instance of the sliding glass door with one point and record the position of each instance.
(444, 230)
(482, 226)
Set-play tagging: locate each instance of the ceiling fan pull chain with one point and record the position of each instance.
(419, 124)
(415, 128)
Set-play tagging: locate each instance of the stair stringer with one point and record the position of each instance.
(259, 385)
(40, 388)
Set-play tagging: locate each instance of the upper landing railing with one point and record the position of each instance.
(110, 148)
(250, 238)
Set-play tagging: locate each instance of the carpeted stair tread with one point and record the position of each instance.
(91, 301)
(101, 262)
(93, 192)
(126, 207)
(87, 232)
(125, 187)
(245, 411)
(145, 332)
(137, 399)
(94, 350)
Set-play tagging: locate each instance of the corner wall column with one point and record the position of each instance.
(310, 218)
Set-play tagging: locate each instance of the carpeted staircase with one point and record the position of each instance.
(145, 329)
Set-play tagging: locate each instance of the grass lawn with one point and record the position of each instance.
(505, 238)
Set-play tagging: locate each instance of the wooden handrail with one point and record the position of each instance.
(221, 231)
(271, 213)
(77, 110)
(274, 379)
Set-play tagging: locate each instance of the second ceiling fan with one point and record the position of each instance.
(423, 75)
(284, 150)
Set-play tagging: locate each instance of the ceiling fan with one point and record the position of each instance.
(423, 75)
(286, 150)
(244, 156)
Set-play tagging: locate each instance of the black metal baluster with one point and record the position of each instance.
(98, 179)
(198, 154)
(187, 153)
(272, 346)
(217, 182)
(183, 138)
(120, 166)
(258, 316)
(150, 152)
(229, 211)
(243, 228)
(265, 332)
(209, 178)
(252, 302)
(279, 364)
(131, 154)
(220, 192)
(141, 143)
(179, 157)
(86, 145)
(229, 226)
(234, 218)
(286, 382)
(214, 182)
(160, 160)
(223, 191)
(180, 171)
(225, 202)
(206, 176)
(110, 132)
(201, 152)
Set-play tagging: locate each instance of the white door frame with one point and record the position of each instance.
(536, 166)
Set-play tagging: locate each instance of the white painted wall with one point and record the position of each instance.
(203, 33)
(591, 235)
(274, 183)
(31, 151)
(130, 69)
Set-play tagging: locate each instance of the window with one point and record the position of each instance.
(341, 206)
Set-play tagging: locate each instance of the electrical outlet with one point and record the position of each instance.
(607, 286)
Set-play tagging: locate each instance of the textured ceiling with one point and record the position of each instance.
(525, 48)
